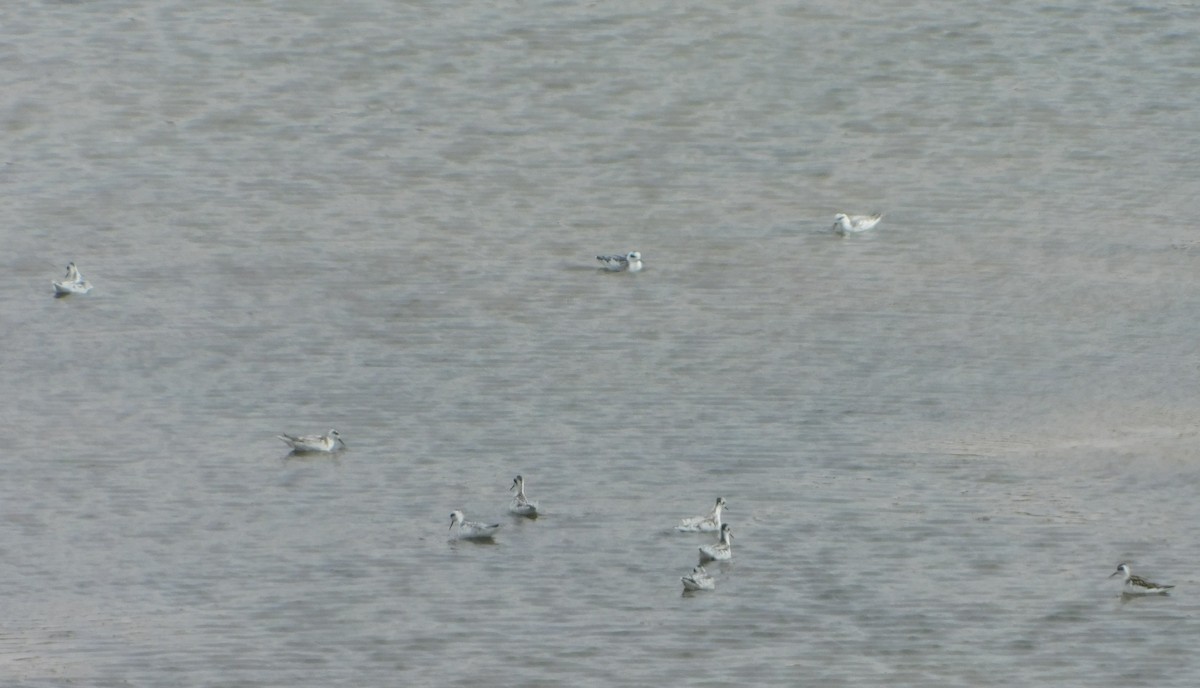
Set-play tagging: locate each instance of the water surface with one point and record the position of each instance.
(936, 439)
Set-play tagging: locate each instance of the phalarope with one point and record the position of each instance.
(698, 579)
(73, 283)
(720, 551)
(470, 530)
(521, 505)
(710, 523)
(314, 443)
(1136, 585)
(850, 224)
(631, 262)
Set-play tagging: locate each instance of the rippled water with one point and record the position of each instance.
(936, 439)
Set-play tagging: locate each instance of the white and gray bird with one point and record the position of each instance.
(852, 224)
(470, 530)
(698, 579)
(721, 551)
(709, 523)
(521, 504)
(1136, 585)
(314, 443)
(630, 262)
(72, 283)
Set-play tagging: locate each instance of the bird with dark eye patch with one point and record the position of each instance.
(630, 262)
(1136, 585)
(73, 283)
(721, 551)
(521, 505)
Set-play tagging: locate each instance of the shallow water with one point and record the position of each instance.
(936, 438)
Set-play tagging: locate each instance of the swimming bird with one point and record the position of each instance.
(720, 551)
(710, 523)
(851, 224)
(73, 283)
(698, 579)
(470, 530)
(631, 262)
(1136, 585)
(521, 505)
(314, 443)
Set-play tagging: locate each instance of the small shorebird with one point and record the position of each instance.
(521, 504)
(698, 579)
(631, 262)
(73, 283)
(1136, 585)
(720, 551)
(852, 224)
(470, 530)
(314, 443)
(709, 523)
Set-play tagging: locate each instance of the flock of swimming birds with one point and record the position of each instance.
(699, 578)
(843, 224)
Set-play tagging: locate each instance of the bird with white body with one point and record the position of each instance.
(852, 224)
(314, 443)
(709, 523)
(470, 530)
(1136, 585)
(722, 550)
(630, 262)
(521, 505)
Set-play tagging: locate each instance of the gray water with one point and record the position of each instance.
(936, 439)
